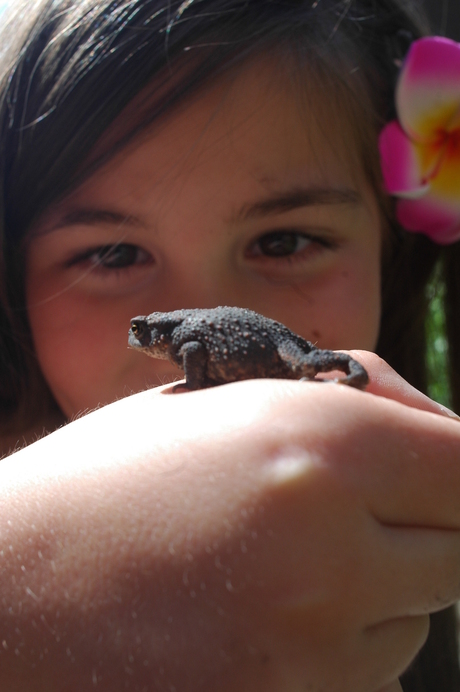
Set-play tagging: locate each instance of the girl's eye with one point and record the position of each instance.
(117, 256)
(280, 244)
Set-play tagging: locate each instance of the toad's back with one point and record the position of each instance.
(239, 343)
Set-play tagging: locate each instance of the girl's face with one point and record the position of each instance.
(238, 198)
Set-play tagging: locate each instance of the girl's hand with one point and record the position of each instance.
(266, 535)
(384, 381)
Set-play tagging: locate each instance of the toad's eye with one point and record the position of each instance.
(139, 328)
(280, 244)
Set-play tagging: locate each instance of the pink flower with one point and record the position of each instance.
(420, 152)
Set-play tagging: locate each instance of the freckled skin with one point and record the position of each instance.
(227, 344)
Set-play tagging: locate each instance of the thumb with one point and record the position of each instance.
(385, 382)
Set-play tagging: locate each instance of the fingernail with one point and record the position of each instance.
(447, 412)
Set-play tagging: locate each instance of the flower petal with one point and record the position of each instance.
(428, 89)
(401, 170)
(435, 219)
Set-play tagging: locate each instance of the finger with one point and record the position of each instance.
(404, 464)
(409, 472)
(406, 461)
(374, 657)
(385, 382)
(425, 566)
(396, 643)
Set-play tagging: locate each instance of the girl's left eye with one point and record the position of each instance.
(118, 256)
(288, 245)
(280, 244)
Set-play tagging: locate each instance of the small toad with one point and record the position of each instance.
(226, 344)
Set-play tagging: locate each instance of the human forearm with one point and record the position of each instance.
(239, 549)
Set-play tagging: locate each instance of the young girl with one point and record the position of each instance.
(264, 535)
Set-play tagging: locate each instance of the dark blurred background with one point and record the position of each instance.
(445, 17)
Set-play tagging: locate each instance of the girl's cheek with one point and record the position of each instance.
(342, 311)
(78, 344)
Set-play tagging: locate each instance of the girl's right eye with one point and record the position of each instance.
(119, 256)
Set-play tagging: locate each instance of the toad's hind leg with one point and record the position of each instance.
(308, 364)
(325, 361)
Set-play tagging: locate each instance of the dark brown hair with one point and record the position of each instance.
(68, 68)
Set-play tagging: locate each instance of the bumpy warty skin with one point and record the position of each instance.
(227, 344)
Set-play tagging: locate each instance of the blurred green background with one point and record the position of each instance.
(437, 344)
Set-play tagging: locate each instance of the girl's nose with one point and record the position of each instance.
(202, 287)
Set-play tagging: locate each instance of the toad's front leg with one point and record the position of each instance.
(194, 358)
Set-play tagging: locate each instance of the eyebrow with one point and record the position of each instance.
(96, 217)
(280, 203)
(275, 203)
